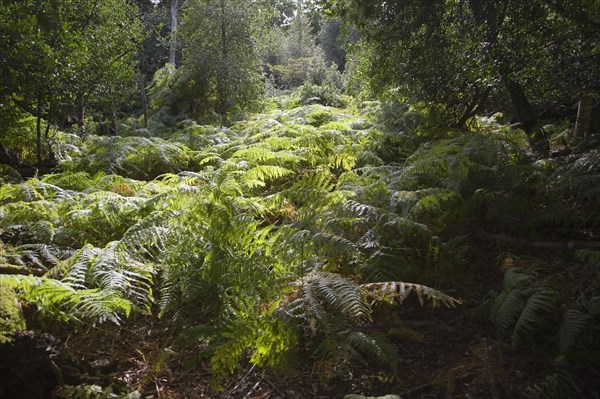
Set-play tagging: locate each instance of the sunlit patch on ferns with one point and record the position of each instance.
(136, 157)
(64, 301)
(319, 293)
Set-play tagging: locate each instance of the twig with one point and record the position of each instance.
(428, 387)
(275, 388)
(240, 382)
(252, 389)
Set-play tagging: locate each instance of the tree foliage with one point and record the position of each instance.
(219, 71)
(458, 57)
(60, 58)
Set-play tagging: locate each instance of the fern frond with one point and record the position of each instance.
(376, 346)
(278, 336)
(76, 270)
(76, 181)
(334, 244)
(571, 327)
(259, 155)
(433, 200)
(38, 255)
(239, 336)
(109, 269)
(398, 291)
(319, 291)
(265, 172)
(63, 301)
(590, 258)
(102, 305)
(361, 209)
(515, 278)
(537, 307)
(554, 386)
(506, 309)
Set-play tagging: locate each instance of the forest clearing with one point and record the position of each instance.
(299, 199)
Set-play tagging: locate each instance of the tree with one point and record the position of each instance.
(300, 41)
(219, 71)
(332, 39)
(173, 41)
(457, 57)
(60, 56)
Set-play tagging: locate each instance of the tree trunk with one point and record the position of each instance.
(112, 124)
(584, 117)
(80, 111)
(521, 104)
(144, 99)
(537, 137)
(38, 128)
(7, 158)
(473, 108)
(51, 155)
(173, 42)
(221, 78)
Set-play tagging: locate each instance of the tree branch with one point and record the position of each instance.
(6, 268)
(571, 244)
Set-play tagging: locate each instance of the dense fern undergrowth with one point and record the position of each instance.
(280, 237)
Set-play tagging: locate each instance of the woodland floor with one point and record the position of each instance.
(443, 353)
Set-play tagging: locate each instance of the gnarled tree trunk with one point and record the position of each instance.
(521, 103)
(527, 117)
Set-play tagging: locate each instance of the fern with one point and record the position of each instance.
(590, 258)
(515, 278)
(533, 316)
(227, 355)
(37, 255)
(64, 301)
(397, 291)
(573, 324)
(376, 346)
(259, 174)
(555, 386)
(523, 307)
(111, 270)
(506, 310)
(287, 217)
(320, 291)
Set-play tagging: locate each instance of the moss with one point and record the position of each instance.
(11, 316)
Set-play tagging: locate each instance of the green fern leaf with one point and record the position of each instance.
(514, 278)
(374, 345)
(507, 307)
(571, 327)
(542, 302)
